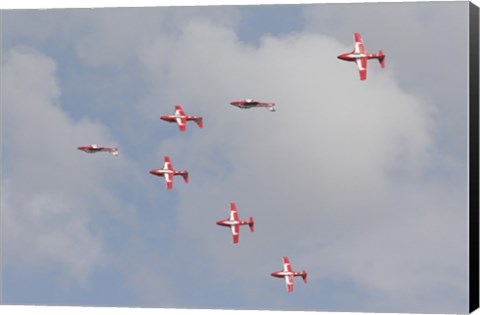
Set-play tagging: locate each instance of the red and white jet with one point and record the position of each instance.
(168, 172)
(234, 222)
(249, 103)
(95, 148)
(360, 56)
(288, 274)
(181, 119)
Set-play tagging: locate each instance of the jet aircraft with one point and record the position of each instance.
(181, 119)
(249, 103)
(168, 172)
(287, 273)
(95, 148)
(234, 222)
(360, 56)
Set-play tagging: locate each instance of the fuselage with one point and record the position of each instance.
(231, 222)
(162, 172)
(281, 274)
(95, 148)
(90, 149)
(173, 118)
(285, 273)
(245, 104)
(353, 56)
(249, 103)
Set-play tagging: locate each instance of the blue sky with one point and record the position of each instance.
(363, 184)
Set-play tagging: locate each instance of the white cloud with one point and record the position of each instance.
(330, 170)
(412, 35)
(51, 189)
(116, 37)
(333, 178)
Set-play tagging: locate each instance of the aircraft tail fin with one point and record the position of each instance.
(199, 122)
(115, 152)
(251, 224)
(381, 58)
(185, 176)
(304, 276)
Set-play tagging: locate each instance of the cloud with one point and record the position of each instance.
(51, 190)
(344, 178)
(333, 178)
(115, 37)
(411, 34)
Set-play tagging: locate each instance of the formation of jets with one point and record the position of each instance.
(358, 55)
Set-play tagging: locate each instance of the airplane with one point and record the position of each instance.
(234, 222)
(181, 119)
(288, 274)
(95, 148)
(360, 56)
(168, 172)
(249, 103)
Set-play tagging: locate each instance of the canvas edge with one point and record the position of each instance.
(474, 156)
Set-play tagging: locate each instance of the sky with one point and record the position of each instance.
(362, 184)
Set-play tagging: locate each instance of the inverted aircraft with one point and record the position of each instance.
(360, 56)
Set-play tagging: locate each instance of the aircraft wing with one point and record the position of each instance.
(362, 67)
(182, 123)
(236, 233)
(233, 212)
(167, 164)
(286, 264)
(179, 110)
(289, 282)
(359, 46)
(169, 180)
(181, 120)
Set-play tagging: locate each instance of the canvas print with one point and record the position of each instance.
(303, 157)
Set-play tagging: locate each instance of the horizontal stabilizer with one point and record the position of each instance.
(185, 176)
(381, 58)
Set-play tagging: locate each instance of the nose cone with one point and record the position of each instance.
(219, 222)
(153, 172)
(273, 274)
(342, 56)
(164, 117)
